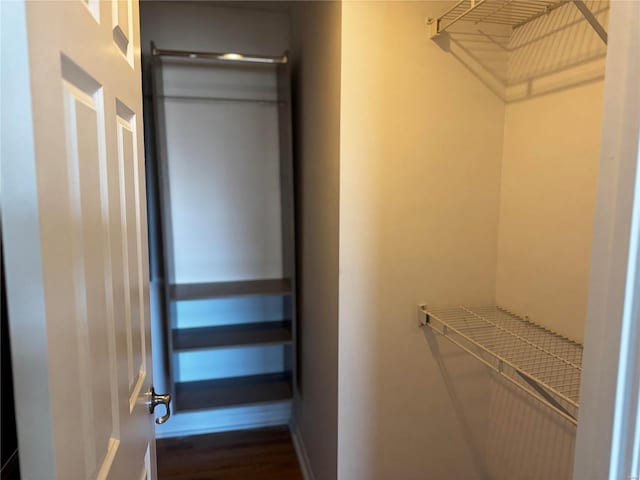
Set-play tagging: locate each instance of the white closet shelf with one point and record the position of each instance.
(542, 363)
(513, 13)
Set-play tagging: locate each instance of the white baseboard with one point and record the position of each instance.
(301, 452)
(226, 419)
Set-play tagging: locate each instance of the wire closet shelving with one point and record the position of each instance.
(513, 13)
(540, 362)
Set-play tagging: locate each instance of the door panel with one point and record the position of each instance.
(84, 131)
(122, 12)
(132, 250)
(82, 241)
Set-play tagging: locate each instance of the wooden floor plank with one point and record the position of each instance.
(263, 454)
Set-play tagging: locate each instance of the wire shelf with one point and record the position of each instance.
(543, 363)
(503, 12)
(513, 13)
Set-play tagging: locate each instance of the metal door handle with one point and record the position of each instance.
(154, 400)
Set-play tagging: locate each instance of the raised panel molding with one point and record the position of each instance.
(94, 314)
(146, 468)
(132, 249)
(94, 8)
(122, 13)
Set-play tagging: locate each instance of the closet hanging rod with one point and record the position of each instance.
(220, 56)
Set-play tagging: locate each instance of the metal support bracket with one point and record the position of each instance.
(591, 18)
(548, 398)
(434, 26)
(423, 316)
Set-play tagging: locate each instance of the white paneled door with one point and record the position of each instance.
(75, 238)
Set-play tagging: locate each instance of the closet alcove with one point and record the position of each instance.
(220, 184)
(529, 354)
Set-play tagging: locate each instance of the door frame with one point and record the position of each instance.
(608, 437)
(19, 208)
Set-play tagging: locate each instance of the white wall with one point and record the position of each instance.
(224, 179)
(420, 154)
(316, 85)
(550, 167)
(227, 227)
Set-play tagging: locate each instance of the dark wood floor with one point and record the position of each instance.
(264, 454)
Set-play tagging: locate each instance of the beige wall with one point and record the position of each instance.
(316, 30)
(550, 167)
(420, 151)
